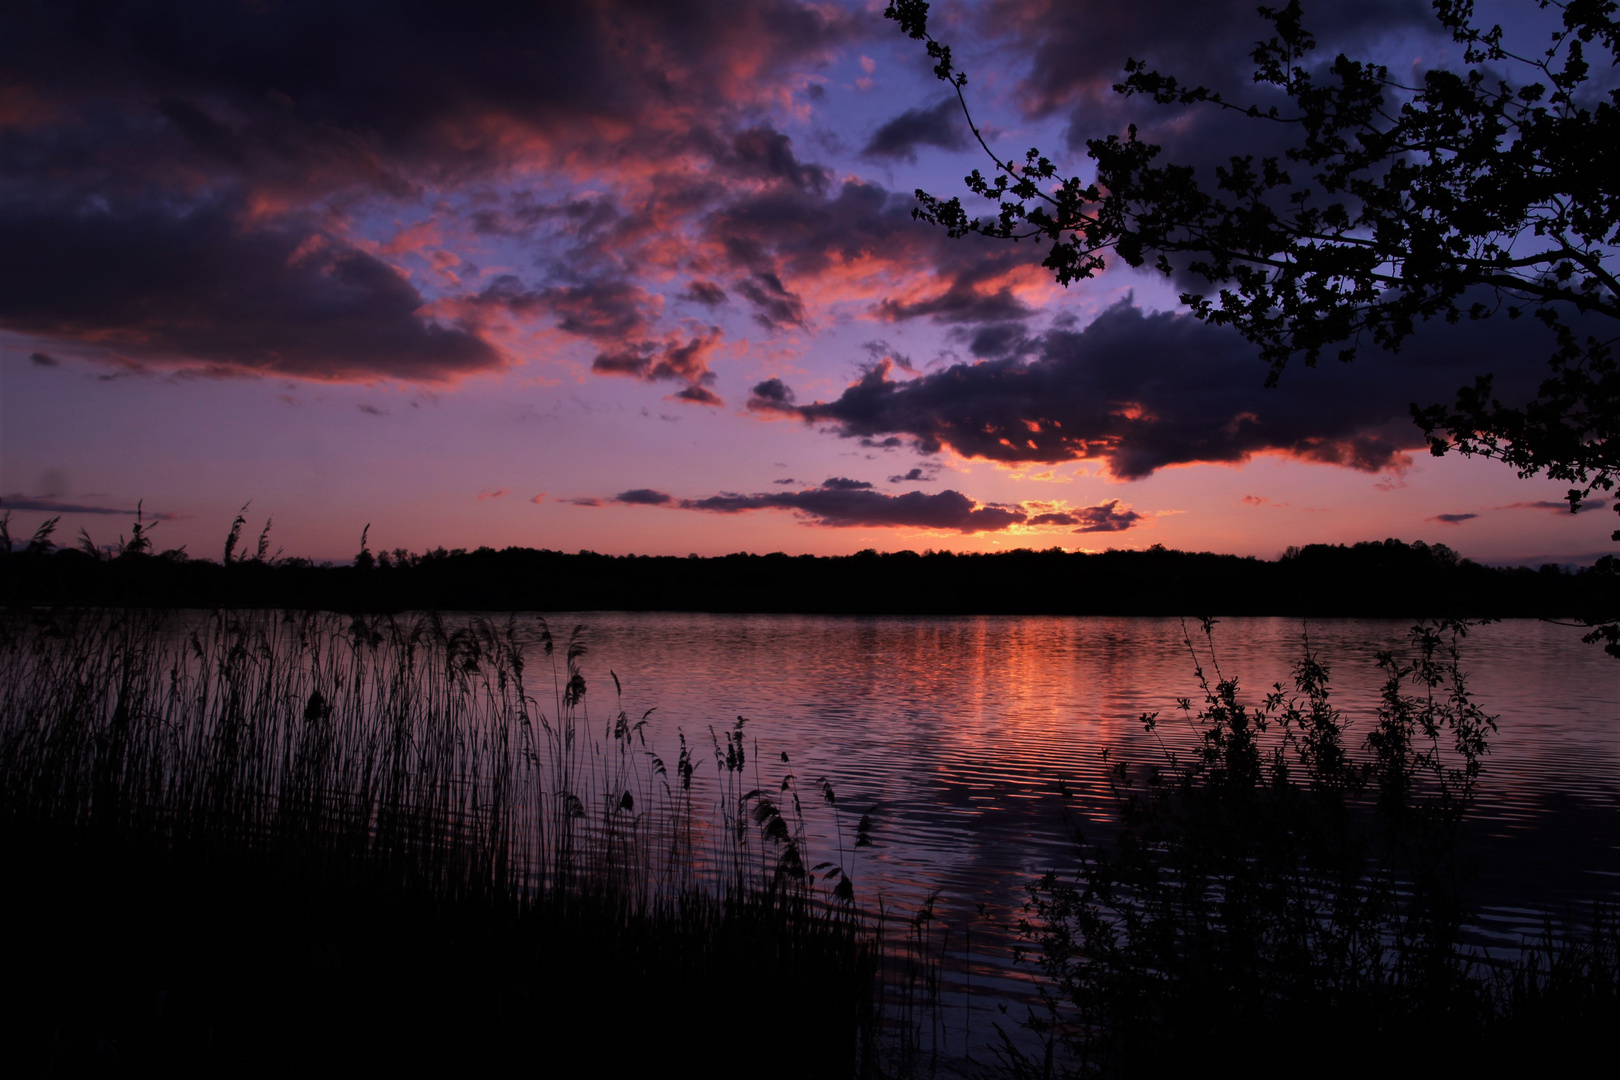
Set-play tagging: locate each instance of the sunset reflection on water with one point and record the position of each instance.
(958, 732)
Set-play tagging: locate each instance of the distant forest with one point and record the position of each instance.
(1388, 578)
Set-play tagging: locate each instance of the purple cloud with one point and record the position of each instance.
(1552, 506)
(643, 497)
(939, 125)
(56, 506)
(198, 287)
(841, 503)
(844, 507)
(1141, 391)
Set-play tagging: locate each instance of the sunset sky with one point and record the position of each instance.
(643, 277)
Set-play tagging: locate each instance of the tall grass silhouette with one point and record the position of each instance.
(279, 782)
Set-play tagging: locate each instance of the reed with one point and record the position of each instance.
(337, 821)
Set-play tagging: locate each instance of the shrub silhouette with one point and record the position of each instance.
(1268, 872)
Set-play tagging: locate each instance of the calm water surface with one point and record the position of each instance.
(958, 730)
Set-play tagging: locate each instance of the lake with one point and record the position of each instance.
(956, 732)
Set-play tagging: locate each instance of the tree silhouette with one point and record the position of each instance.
(1463, 195)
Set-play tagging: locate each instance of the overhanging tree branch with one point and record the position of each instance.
(1446, 183)
(1462, 183)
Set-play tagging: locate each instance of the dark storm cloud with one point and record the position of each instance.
(1141, 391)
(842, 503)
(607, 310)
(375, 90)
(125, 129)
(787, 233)
(807, 235)
(642, 497)
(775, 307)
(616, 314)
(764, 153)
(840, 506)
(1453, 519)
(700, 395)
(1110, 516)
(201, 287)
(40, 359)
(999, 339)
(673, 360)
(624, 362)
(706, 293)
(961, 303)
(939, 126)
(1079, 51)
(771, 396)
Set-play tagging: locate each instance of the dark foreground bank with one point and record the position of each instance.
(1376, 579)
(126, 958)
(301, 845)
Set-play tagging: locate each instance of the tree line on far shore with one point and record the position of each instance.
(1388, 578)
